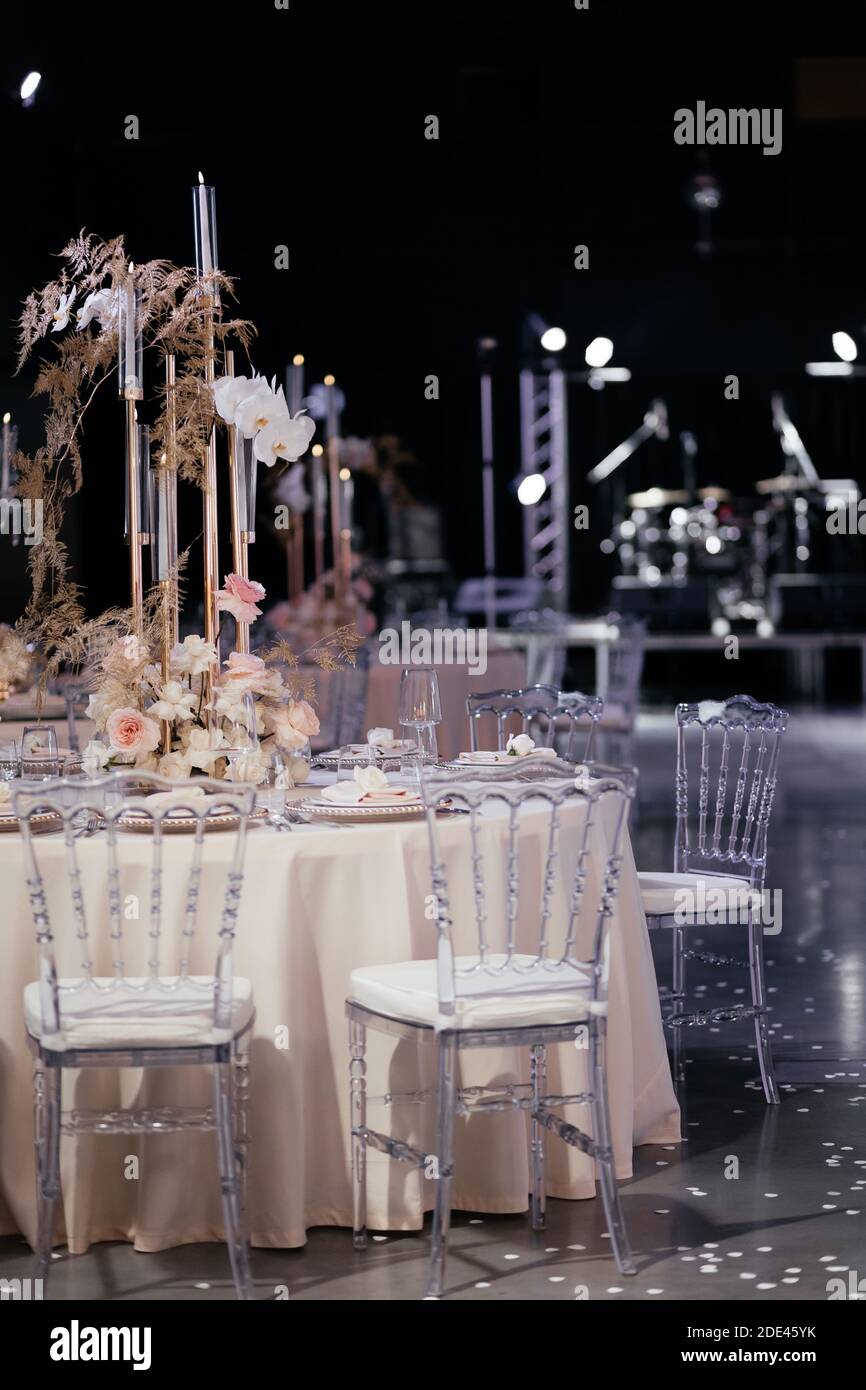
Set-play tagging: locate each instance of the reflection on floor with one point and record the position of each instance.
(790, 1224)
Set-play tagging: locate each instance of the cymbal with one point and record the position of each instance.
(719, 494)
(783, 483)
(657, 497)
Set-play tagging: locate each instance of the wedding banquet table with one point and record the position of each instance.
(318, 902)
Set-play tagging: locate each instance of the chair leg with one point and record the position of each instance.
(604, 1149)
(678, 990)
(240, 1101)
(759, 996)
(447, 1050)
(538, 1077)
(47, 1101)
(357, 1122)
(231, 1183)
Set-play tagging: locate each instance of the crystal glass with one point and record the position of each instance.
(204, 226)
(272, 791)
(240, 732)
(421, 708)
(10, 762)
(130, 369)
(40, 759)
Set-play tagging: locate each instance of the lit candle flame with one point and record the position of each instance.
(200, 176)
(298, 360)
(6, 418)
(329, 380)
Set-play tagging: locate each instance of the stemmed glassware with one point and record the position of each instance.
(421, 709)
(241, 735)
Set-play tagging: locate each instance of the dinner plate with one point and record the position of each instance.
(42, 821)
(174, 825)
(375, 811)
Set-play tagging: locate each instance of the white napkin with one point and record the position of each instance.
(5, 796)
(500, 758)
(157, 800)
(351, 794)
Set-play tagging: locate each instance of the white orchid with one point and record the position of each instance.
(286, 437)
(102, 306)
(63, 310)
(175, 702)
(229, 393)
(193, 656)
(258, 410)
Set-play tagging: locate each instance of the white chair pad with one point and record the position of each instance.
(661, 893)
(513, 998)
(183, 1016)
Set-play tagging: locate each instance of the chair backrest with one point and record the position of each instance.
(542, 707)
(510, 595)
(539, 882)
(739, 747)
(625, 665)
(110, 797)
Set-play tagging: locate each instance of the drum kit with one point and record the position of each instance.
(737, 547)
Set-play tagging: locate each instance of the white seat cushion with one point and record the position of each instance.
(693, 896)
(511, 999)
(163, 1014)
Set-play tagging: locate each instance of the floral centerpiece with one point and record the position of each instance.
(168, 725)
(15, 662)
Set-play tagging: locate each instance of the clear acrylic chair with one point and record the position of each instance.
(720, 857)
(106, 1016)
(541, 710)
(622, 695)
(522, 983)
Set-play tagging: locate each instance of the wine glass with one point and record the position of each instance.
(241, 735)
(40, 760)
(10, 762)
(421, 708)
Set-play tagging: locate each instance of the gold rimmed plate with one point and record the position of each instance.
(186, 825)
(44, 820)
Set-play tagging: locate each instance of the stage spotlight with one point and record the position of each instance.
(531, 489)
(845, 347)
(553, 339)
(28, 87)
(829, 369)
(599, 352)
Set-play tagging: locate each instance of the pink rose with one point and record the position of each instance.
(303, 717)
(130, 731)
(281, 726)
(247, 670)
(240, 598)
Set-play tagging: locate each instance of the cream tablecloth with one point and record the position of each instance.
(316, 905)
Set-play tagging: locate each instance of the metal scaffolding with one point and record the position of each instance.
(544, 450)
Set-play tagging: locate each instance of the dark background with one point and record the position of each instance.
(556, 128)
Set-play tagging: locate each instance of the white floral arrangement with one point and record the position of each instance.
(259, 412)
(133, 701)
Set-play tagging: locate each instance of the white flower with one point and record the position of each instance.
(5, 794)
(299, 770)
(104, 701)
(94, 757)
(248, 767)
(229, 392)
(102, 306)
(380, 738)
(710, 709)
(519, 745)
(175, 702)
(258, 410)
(63, 310)
(147, 762)
(371, 779)
(192, 656)
(174, 765)
(284, 437)
(202, 746)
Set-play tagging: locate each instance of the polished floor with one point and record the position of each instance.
(757, 1204)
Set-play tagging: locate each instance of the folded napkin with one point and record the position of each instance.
(352, 794)
(5, 796)
(501, 758)
(157, 800)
